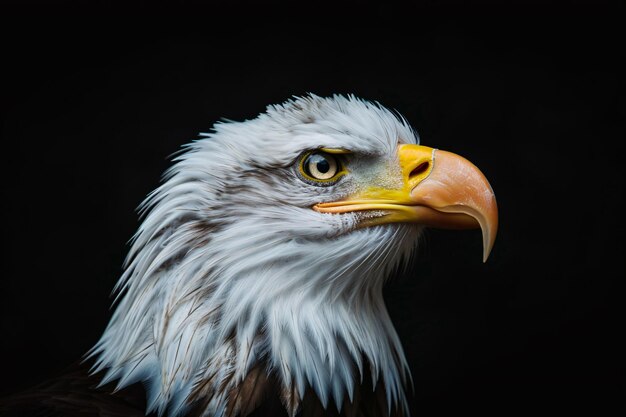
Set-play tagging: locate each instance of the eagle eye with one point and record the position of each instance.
(320, 167)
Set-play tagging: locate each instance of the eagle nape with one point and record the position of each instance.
(256, 275)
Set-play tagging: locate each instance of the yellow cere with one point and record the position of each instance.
(416, 163)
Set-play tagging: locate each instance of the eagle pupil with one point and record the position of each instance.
(323, 166)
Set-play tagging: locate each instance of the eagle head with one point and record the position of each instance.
(259, 265)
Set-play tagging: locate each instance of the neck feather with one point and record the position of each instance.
(213, 321)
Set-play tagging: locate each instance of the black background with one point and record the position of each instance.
(95, 99)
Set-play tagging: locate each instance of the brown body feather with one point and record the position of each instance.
(262, 394)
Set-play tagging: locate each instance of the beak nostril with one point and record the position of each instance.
(420, 169)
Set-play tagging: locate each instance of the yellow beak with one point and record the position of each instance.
(440, 189)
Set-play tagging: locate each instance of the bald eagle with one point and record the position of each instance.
(259, 266)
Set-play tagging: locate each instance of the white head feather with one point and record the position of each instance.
(231, 267)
